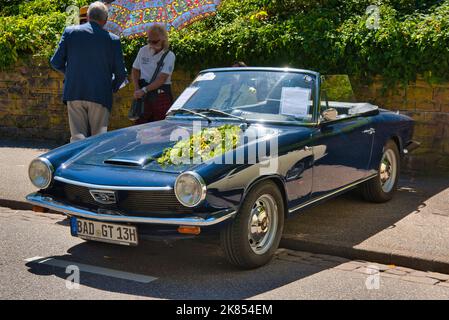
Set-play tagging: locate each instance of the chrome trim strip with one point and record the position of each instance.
(268, 69)
(48, 163)
(125, 162)
(330, 194)
(48, 202)
(126, 188)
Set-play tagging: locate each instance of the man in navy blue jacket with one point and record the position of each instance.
(91, 59)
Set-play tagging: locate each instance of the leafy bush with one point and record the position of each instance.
(36, 34)
(330, 36)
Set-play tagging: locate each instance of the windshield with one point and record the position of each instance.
(250, 94)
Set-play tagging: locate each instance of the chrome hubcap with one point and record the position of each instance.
(262, 224)
(388, 170)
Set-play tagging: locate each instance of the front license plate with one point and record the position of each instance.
(103, 231)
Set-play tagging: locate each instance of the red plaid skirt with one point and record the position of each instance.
(155, 109)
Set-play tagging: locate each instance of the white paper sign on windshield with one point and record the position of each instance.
(295, 101)
(183, 98)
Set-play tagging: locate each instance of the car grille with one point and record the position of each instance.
(135, 203)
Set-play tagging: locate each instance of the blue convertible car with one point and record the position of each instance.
(241, 150)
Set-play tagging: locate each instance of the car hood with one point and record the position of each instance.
(137, 147)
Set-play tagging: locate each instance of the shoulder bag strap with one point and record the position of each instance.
(159, 66)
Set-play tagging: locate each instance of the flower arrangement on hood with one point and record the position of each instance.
(204, 145)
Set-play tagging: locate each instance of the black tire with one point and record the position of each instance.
(372, 190)
(235, 236)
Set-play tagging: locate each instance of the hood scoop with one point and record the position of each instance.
(128, 162)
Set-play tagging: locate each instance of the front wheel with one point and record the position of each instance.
(251, 239)
(382, 187)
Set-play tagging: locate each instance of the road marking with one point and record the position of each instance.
(93, 269)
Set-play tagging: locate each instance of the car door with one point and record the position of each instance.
(342, 152)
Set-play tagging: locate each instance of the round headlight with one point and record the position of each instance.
(40, 172)
(190, 189)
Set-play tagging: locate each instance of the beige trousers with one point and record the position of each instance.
(85, 115)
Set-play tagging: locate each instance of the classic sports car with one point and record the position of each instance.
(241, 150)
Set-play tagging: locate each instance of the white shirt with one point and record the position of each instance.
(146, 61)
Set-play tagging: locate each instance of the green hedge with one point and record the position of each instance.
(329, 36)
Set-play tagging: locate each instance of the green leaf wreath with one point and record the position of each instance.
(204, 145)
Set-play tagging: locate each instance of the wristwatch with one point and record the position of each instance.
(144, 89)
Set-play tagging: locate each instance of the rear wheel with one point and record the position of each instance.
(382, 187)
(252, 238)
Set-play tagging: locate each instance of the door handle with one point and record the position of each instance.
(369, 131)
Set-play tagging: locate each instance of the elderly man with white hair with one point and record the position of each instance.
(92, 61)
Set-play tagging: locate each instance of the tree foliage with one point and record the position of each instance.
(331, 36)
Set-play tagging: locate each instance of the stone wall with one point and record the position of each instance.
(428, 105)
(31, 107)
(31, 102)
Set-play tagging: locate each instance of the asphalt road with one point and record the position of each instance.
(186, 269)
(15, 158)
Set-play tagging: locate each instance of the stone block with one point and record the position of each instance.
(3, 93)
(5, 84)
(441, 95)
(44, 85)
(17, 90)
(400, 105)
(32, 121)
(422, 280)
(445, 146)
(409, 105)
(395, 271)
(12, 75)
(8, 120)
(438, 276)
(419, 93)
(423, 116)
(57, 120)
(445, 107)
(428, 130)
(444, 284)
(29, 107)
(443, 163)
(421, 82)
(52, 74)
(427, 105)
(349, 266)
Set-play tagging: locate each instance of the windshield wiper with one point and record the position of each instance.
(223, 113)
(183, 110)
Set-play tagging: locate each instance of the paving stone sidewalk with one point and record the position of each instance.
(364, 267)
(410, 230)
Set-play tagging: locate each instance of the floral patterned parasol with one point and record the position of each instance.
(131, 18)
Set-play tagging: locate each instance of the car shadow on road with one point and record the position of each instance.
(185, 269)
(348, 220)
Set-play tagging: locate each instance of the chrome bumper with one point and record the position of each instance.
(50, 203)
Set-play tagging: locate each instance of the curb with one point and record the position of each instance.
(413, 262)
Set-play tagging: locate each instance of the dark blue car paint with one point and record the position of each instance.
(314, 160)
(299, 180)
